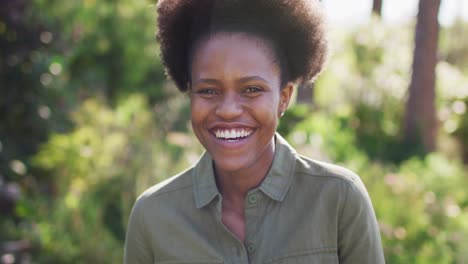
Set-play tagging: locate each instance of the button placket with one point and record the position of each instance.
(252, 199)
(250, 247)
(253, 203)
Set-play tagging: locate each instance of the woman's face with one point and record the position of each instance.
(236, 100)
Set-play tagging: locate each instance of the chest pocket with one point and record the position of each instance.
(317, 256)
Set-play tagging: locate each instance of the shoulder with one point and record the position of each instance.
(169, 191)
(152, 212)
(326, 171)
(343, 188)
(333, 180)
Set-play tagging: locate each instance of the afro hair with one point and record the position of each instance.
(295, 28)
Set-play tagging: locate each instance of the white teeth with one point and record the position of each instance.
(232, 134)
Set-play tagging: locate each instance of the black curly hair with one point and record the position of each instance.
(295, 28)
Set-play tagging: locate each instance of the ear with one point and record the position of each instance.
(285, 97)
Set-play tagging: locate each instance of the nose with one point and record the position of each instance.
(229, 107)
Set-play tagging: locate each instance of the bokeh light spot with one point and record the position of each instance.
(46, 79)
(55, 68)
(44, 111)
(459, 107)
(18, 167)
(46, 37)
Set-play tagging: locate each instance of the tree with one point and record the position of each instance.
(420, 115)
(21, 127)
(377, 7)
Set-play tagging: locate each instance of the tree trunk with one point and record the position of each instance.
(377, 7)
(420, 116)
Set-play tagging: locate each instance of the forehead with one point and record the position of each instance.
(235, 53)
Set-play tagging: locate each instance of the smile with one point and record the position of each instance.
(232, 134)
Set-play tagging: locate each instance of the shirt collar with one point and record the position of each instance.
(204, 188)
(276, 184)
(279, 178)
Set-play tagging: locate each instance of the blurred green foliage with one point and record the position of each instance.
(100, 125)
(102, 165)
(106, 47)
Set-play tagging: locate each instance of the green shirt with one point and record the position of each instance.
(304, 211)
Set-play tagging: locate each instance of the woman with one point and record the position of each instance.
(250, 198)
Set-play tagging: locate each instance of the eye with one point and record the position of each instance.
(207, 92)
(252, 90)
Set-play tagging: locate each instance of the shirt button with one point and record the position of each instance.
(252, 199)
(251, 248)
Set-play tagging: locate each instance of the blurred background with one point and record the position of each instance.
(88, 121)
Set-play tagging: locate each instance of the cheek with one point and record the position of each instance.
(268, 110)
(199, 110)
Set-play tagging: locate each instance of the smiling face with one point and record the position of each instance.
(236, 101)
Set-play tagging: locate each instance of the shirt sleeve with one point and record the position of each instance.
(358, 235)
(137, 250)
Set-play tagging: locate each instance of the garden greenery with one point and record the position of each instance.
(119, 127)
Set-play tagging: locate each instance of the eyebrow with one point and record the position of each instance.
(240, 80)
(252, 78)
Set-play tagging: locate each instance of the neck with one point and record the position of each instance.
(234, 185)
